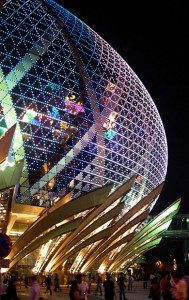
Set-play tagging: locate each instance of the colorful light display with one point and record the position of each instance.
(79, 108)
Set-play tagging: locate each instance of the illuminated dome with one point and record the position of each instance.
(84, 119)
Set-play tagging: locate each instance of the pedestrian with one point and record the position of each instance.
(186, 277)
(165, 286)
(130, 282)
(84, 286)
(122, 286)
(35, 289)
(69, 280)
(48, 283)
(89, 282)
(145, 278)
(152, 275)
(26, 281)
(11, 289)
(74, 292)
(109, 289)
(3, 289)
(56, 283)
(155, 292)
(179, 289)
(99, 285)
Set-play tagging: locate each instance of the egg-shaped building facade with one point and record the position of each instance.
(84, 118)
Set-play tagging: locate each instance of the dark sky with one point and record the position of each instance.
(152, 37)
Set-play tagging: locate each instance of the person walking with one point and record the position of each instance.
(186, 277)
(109, 289)
(56, 283)
(26, 281)
(155, 292)
(89, 282)
(74, 292)
(69, 280)
(99, 285)
(84, 286)
(122, 286)
(152, 275)
(130, 283)
(165, 286)
(48, 283)
(179, 289)
(3, 289)
(145, 278)
(35, 289)
(11, 289)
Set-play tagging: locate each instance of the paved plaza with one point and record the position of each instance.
(137, 293)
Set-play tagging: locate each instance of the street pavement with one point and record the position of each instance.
(137, 293)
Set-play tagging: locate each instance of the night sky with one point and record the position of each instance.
(152, 37)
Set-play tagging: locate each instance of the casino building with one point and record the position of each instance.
(83, 150)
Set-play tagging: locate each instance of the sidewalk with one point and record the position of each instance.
(138, 293)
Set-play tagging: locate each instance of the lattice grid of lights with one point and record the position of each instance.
(83, 116)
